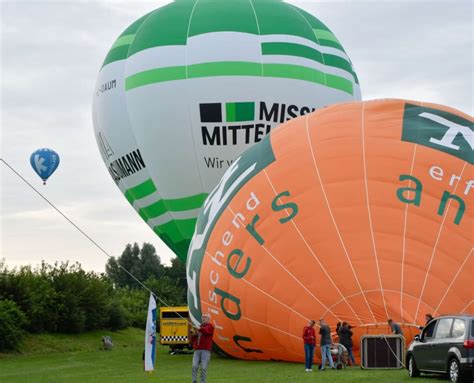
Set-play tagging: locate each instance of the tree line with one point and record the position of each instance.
(63, 298)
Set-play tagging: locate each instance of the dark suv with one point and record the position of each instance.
(446, 345)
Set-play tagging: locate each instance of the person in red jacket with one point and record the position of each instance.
(309, 339)
(202, 344)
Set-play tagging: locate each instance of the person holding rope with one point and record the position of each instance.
(326, 342)
(395, 327)
(428, 318)
(202, 344)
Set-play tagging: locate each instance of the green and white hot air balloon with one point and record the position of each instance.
(188, 87)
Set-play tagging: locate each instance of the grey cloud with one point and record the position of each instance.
(410, 49)
(51, 53)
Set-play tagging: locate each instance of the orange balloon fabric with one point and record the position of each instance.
(358, 212)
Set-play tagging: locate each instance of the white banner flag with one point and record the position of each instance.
(150, 335)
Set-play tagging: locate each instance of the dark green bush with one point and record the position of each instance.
(118, 316)
(12, 324)
(65, 298)
(135, 303)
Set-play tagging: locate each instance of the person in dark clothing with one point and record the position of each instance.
(309, 339)
(338, 326)
(345, 338)
(326, 342)
(428, 318)
(395, 327)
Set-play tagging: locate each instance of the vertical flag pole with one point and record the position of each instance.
(150, 335)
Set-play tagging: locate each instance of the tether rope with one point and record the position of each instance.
(86, 235)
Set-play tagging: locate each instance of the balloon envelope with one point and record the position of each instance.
(187, 88)
(44, 162)
(364, 214)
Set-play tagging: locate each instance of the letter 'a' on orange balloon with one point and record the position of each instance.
(358, 212)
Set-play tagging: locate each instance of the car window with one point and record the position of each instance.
(459, 325)
(444, 328)
(428, 330)
(472, 328)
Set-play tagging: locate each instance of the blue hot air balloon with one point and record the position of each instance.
(44, 162)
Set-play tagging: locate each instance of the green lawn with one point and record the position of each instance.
(77, 358)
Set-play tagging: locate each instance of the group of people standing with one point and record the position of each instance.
(202, 342)
(344, 333)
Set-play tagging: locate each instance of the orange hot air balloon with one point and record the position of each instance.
(358, 212)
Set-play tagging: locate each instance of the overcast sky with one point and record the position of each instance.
(51, 52)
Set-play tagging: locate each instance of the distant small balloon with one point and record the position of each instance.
(44, 162)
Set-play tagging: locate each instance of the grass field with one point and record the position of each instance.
(77, 358)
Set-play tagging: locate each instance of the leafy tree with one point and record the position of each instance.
(177, 273)
(58, 298)
(167, 282)
(150, 262)
(129, 260)
(169, 292)
(81, 298)
(117, 316)
(143, 263)
(135, 303)
(12, 323)
(65, 298)
(31, 290)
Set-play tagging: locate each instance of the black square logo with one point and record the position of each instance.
(211, 112)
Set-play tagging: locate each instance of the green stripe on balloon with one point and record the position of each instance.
(155, 75)
(295, 72)
(322, 34)
(119, 51)
(341, 63)
(299, 50)
(177, 235)
(180, 248)
(325, 35)
(164, 205)
(340, 83)
(331, 44)
(198, 70)
(116, 54)
(177, 230)
(308, 74)
(165, 26)
(123, 40)
(291, 49)
(140, 191)
(174, 23)
(289, 71)
(228, 68)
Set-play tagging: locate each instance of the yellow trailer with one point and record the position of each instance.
(175, 328)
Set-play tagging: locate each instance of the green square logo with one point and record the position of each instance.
(240, 111)
(439, 130)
